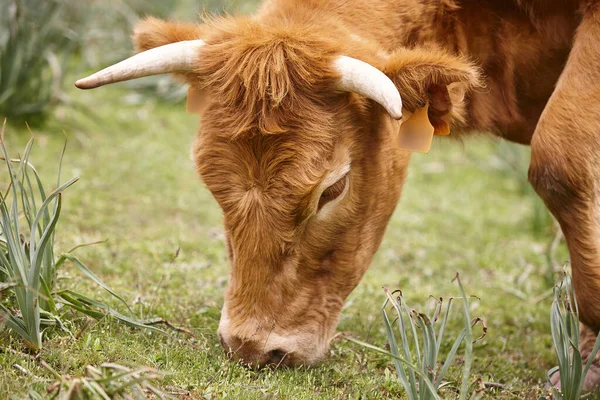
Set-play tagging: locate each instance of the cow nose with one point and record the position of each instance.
(277, 357)
(254, 353)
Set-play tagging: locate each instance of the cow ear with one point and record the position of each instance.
(431, 75)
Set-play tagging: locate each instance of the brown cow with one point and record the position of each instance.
(299, 137)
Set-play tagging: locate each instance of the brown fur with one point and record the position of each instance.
(274, 128)
(565, 169)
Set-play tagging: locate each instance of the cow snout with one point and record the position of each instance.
(255, 353)
(258, 345)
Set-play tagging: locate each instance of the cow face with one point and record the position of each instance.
(306, 171)
(304, 212)
(307, 178)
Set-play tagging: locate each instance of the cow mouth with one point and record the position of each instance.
(246, 354)
(274, 359)
(260, 354)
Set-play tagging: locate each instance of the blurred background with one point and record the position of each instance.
(42, 41)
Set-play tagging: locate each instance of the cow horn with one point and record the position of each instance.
(359, 77)
(173, 57)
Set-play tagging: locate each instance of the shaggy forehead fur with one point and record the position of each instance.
(262, 182)
(268, 79)
(269, 130)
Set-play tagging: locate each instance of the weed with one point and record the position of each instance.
(564, 321)
(27, 260)
(417, 361)
(110, 381)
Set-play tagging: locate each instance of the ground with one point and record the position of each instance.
(466, 208)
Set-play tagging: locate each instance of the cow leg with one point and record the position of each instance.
(565, 171)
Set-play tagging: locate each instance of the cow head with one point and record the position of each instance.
(298, 145)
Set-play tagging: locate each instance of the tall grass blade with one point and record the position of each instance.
(92, 276)
(405, 346)
(424, 379)
(440, 335)
(396, 359)
(565, 328)
(407, 363)
(46, 204)
(98, 310)
(27, 262)
(451, 354)
(468, 359)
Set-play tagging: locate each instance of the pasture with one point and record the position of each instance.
(466, 207)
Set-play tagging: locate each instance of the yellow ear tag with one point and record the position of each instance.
(416, 133)
(195, 101)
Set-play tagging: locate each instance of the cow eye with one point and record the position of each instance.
(334, 191)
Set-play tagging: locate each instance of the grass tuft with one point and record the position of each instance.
(27, 257)
(110, 381)
(417, 356)
(28, 264)
(564, 321)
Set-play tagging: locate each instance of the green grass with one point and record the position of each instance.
(420, 366)
(565, 334)
(110, 381)
(464, 209)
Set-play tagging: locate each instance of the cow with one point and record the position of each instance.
(302, 110)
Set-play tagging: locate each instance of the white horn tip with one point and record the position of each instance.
(362, 78)
(395, 110)
(86, 83)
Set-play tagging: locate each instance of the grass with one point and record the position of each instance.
(27, 256)
(37, 40)
(28, 266)
(420, 366)
(565, 334)
(110, 381)
(463, 209)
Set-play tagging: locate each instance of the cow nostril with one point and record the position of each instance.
(276, 357)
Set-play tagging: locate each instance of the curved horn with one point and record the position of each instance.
(362, 78)
(173, 57)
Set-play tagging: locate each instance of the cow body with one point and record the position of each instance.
(308, 176)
